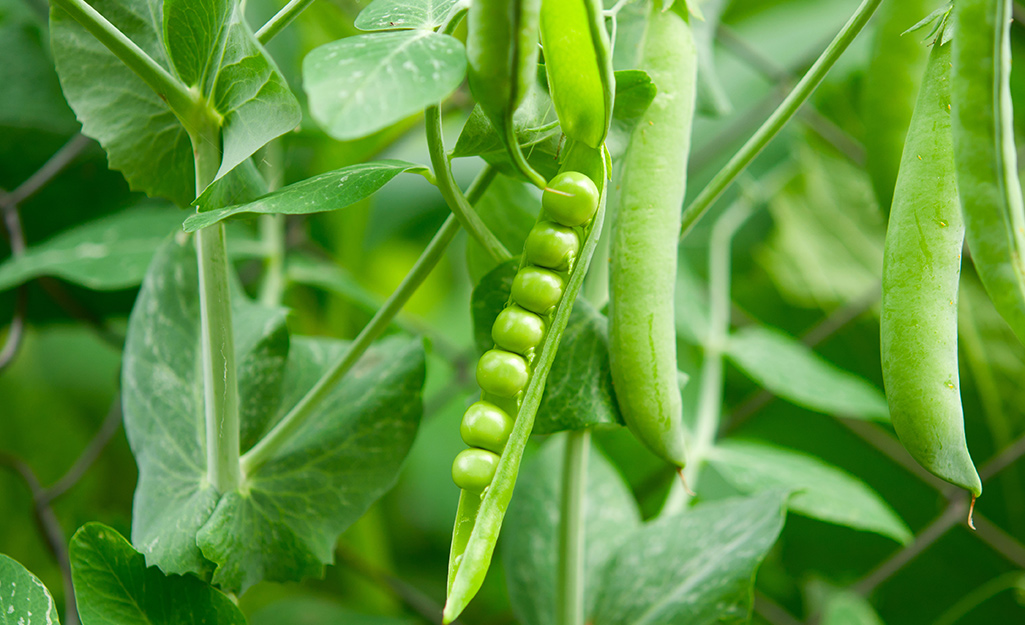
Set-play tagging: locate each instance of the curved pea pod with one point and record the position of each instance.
(921, 268)
(895, 71)
(645, 236)
(984, 153)
(579, 65)
(501, 52)
(480, 514)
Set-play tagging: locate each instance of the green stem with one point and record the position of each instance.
(187, 105)
(779, 117)
(976, 597)
(710, 398)
(512, 142)
(282, 19)
(220, 383)
(272, 233)
(570, 578)
(253, 459)
(455, 199)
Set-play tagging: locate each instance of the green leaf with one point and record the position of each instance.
(361, 84)
(127, 119)
(317, 611)
(579, 391)
(284, 523)
(403, 14)
(214, 51)
(104, 255)
(841, 606)
(634, 94)
(530, 542)
(787, 368)
(821, 491)
(114, 587)
(23, 596)
(488, 299)
(163, 402)
(509, 209)
(140, 133)
(696, 568)
(32, 96)
(324, 192)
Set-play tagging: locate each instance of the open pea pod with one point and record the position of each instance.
(984, 153)
(579, 63)
(480, 513)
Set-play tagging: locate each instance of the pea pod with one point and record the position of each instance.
(579, 65)
(896, 67)
(501, 51)
(533, 309)
(985, 156)
(921, 268)
(642, 334)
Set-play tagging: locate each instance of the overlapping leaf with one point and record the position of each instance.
(23, 596)
(282, 522)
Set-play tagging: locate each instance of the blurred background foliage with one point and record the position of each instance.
(808, 263)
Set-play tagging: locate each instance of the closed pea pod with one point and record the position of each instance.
(985, 155)
(502, 52)
(921, 269)
(579, 66)
(642, 334)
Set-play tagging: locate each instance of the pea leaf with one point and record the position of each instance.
(696, 568)
(283, 521)
(361, 84)
(634, 93)
(243, 85)
(788, 369)
(579, 392)
(324, 192)
(23, 596)
(488, 299)
(530, 541)
(509, 209)
(32, 97)
(114, 587)
(403, 14)
(821, 491)
(317, 611)
(110, 253)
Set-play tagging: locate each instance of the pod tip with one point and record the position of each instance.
(686, 487)
(971, 511)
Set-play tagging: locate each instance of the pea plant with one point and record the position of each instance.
(227, 199)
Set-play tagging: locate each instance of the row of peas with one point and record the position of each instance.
(550, 251)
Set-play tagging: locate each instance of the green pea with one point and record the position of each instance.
(517, 330)
(921, 268)
(487, 426)
(502, 373)
(570, 199)
(537, 290)
(473, 469)
(550, 245)
(642, 330)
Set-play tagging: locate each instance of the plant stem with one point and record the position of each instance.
(710, 398)
(455, 199)
(282, 19)
(518, 158)
(779, 117)
(570, 578)
(272, 233)
(976, 597)
(264, 450)
(220, 383)
(183, 102)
